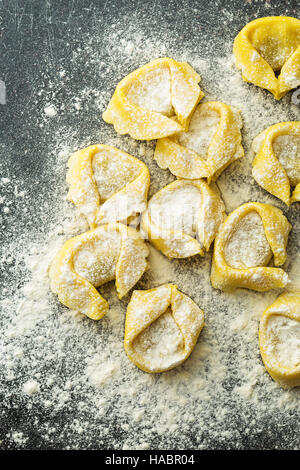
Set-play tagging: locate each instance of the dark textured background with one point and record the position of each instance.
(38, 37)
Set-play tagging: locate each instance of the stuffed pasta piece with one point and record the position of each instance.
(85, 262)
(276, 166)
(182, 219)
(162, 327)
(279, 339)
(107, 185)
(212, 142)
(267, 51)
(155, 100)
(252, 238)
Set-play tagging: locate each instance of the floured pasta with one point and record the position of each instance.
(279, 338)
(183, 218)
(211, 143)
(107, 185)
(249, 238)
(155, 100)
(276, 166)
(267, 50)
(248, 246)
(162, 327)
(111, 251)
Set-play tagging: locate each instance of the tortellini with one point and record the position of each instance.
(155, 100)
(162, 327)
(250, 237)
(267, 50)
(211, 143)
(183, 218)
(107, 185)
(276, 166)
(279, 339)
(111, 251)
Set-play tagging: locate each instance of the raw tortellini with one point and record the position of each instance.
(279, 339)
(266, 47)
(107, 185)
(211, 143)
(162, 327)
(249, 238)
(183, 218)
(276, 166)
(155, 100)
(111, 251)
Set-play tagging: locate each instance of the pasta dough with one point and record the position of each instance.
(107, 185)
(267, 47)
(162, 327)
(247, 240)
(276, 166)
(182, 218)
(211, 143)
(155, 100)
(279, 338)
(111, 251)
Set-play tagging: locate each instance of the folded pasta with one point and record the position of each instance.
(155, 100)
(182, 219)
(251, 236)
(267, 47)
(211, 143)
(279, 339)
(276, 166)
(111, 251)
(107, 185)
(161, 329)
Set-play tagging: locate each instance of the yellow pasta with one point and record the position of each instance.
(155, 100)
(279, 339)
(249, 238)
(107, 185)
(267, 47)
(276, 166)
(162, 327)
(183, 218)
(111, 251)
(211, 143)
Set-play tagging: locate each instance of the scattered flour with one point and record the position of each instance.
(50, 110)
(31, 387)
